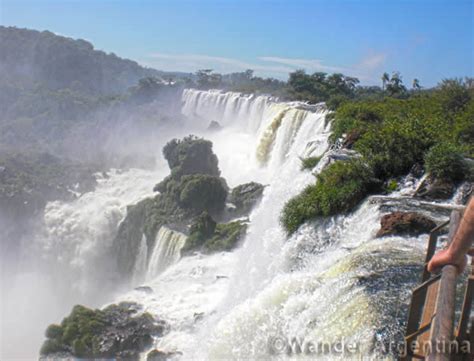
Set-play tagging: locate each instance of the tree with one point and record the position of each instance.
(395, 87)
(416, 84)
(206, 79)
(385, 80)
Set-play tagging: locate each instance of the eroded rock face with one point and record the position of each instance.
(159, 355)
(115, 332)
(405, 223)
(245, 197)
(434, 188)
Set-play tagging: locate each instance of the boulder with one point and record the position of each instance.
(245, 197)
(191, 155)
(119, 331)
(405, 223)
(159, 355)
(214, 126)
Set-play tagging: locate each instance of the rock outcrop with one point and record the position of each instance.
(436, 188)
(191, 200)
(405, 223)
(116, 332)
(245, 197)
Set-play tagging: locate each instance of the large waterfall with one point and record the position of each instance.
(330, 281)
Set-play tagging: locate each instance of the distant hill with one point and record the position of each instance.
(30, 57)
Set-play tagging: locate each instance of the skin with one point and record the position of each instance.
(461, 245)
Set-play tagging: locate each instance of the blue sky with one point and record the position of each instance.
(427, 39)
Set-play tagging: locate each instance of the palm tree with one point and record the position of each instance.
(416, 84)
(385, 80)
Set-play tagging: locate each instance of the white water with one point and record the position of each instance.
(168, 245)
(228, 305)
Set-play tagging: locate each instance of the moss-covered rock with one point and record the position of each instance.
(202, 229)
(114, 332)
(245, 197)
(191, 155)
(202, 192)
(226, 236)
(207, 236)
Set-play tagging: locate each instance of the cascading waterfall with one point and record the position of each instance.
(329, 280)
(168, 245)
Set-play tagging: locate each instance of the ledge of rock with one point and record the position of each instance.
(406, 223)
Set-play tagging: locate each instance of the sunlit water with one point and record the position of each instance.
(330, 280)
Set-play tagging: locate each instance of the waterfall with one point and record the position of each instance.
(331, 280)
(167, 250)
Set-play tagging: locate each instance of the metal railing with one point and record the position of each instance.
(430, 333)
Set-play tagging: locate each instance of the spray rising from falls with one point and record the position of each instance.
(331, 280)
(328, 276)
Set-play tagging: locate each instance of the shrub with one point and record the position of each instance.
(54, 331)
(202, 229)
(445, 160)
(392, 185)
(203, 193)
(339, 188)
(309, 162)
(226, 237)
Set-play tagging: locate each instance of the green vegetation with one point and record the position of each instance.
(433, 128)
(339, 188)
(309, 163)
(392, 185)
(106, 333)
(245, 197)
(446, 161)
(202, 192)
(207, 236)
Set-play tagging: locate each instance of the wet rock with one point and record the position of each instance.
(144, 289)
(407, 223)
(159, 355)
(214, 126)
(118, 331)
(350, 139)
(245, 197)
(436, 188)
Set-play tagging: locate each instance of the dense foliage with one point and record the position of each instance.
(433, 129)
(339, 188)
(309, 163)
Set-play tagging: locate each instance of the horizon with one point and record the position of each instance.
(367, 45)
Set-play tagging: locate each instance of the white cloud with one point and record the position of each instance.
(311, 65)
(193, 62)
(372, 61)
(367, 69)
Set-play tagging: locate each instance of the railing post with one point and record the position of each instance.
(442, 328)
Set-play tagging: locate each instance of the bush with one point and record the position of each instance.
(309, 162)
(446, 161)
(54, 331)
(202, 229)
(203, 193)
(339, 188)
(226, 236)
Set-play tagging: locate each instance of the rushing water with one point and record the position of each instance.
(330, 281)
